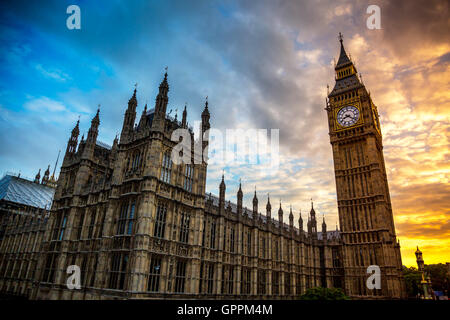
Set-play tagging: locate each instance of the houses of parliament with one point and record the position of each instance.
(140, 226)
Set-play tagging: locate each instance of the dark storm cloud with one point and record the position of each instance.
(414, 25)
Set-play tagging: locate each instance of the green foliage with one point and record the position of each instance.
(412, 279)
(440, 279)
(319, 293)
(439, 276)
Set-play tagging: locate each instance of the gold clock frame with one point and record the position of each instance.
(360, 122)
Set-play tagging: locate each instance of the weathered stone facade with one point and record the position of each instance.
(140, 226)
(24, 210)
(364, 204)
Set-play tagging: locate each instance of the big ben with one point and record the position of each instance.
(364, 205)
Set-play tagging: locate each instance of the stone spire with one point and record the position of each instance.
(291, 218)
(255, 205)
(239, 198)
(143, 119)
(46, 176)
(280, 216)
(73, 140)
(268, 208)
(129, 118)
(324, 229)
(300, 221)
(184, 118)
(222, 189)
(162, 100)
(37, 178)
(93, 130)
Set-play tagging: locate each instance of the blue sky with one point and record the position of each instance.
(50, 75)
(263, 64)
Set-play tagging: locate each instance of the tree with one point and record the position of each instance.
(319, 293)
(412, 279)
(439, 276)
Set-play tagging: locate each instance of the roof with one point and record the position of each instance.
(345, 84)
(103, 145)
(25, 192)
(343, 58)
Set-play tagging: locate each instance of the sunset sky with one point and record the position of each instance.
(263, 64)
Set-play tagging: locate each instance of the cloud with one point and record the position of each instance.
(52, 73)
(263, 64)
(44, 104)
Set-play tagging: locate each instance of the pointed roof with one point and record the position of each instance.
(343, 60)
(47, 172)
(133, 97)
(164, 83)
(347, 83)
(206, 111)
(268, 205)
(222, 183)
(76, 129)
(96, 118)
(312, 212)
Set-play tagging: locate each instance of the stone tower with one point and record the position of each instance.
(364, 205)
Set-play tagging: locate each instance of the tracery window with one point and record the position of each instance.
(91, 225)
(261, 282)
(210, 278)
(117, 274)
(212, 240)
(188, 177)
(275, 282)
(166, 168)
(126, 218)
(232, 239)
(160, 223)
(287, 283)
(180, 277)
(154, 274)
(184, 227)
(59, 226)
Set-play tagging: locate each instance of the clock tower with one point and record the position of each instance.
(364, 204)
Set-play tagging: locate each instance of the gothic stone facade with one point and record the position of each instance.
(24, 212)
(141, 226)
(364, 204)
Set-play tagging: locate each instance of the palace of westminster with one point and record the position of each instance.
(140, 226)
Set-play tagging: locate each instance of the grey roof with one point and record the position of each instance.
(25, 192)
(343, 58)
(103, 145)
(330, 235)
(345, 84)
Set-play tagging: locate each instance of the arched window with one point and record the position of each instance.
(166, 168)
(188, 177)
(136, 161)
(184, 227)
(160, 223)
(126, 218)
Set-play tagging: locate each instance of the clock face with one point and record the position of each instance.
(348, 116)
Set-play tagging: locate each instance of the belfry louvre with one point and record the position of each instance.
(142, 227)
